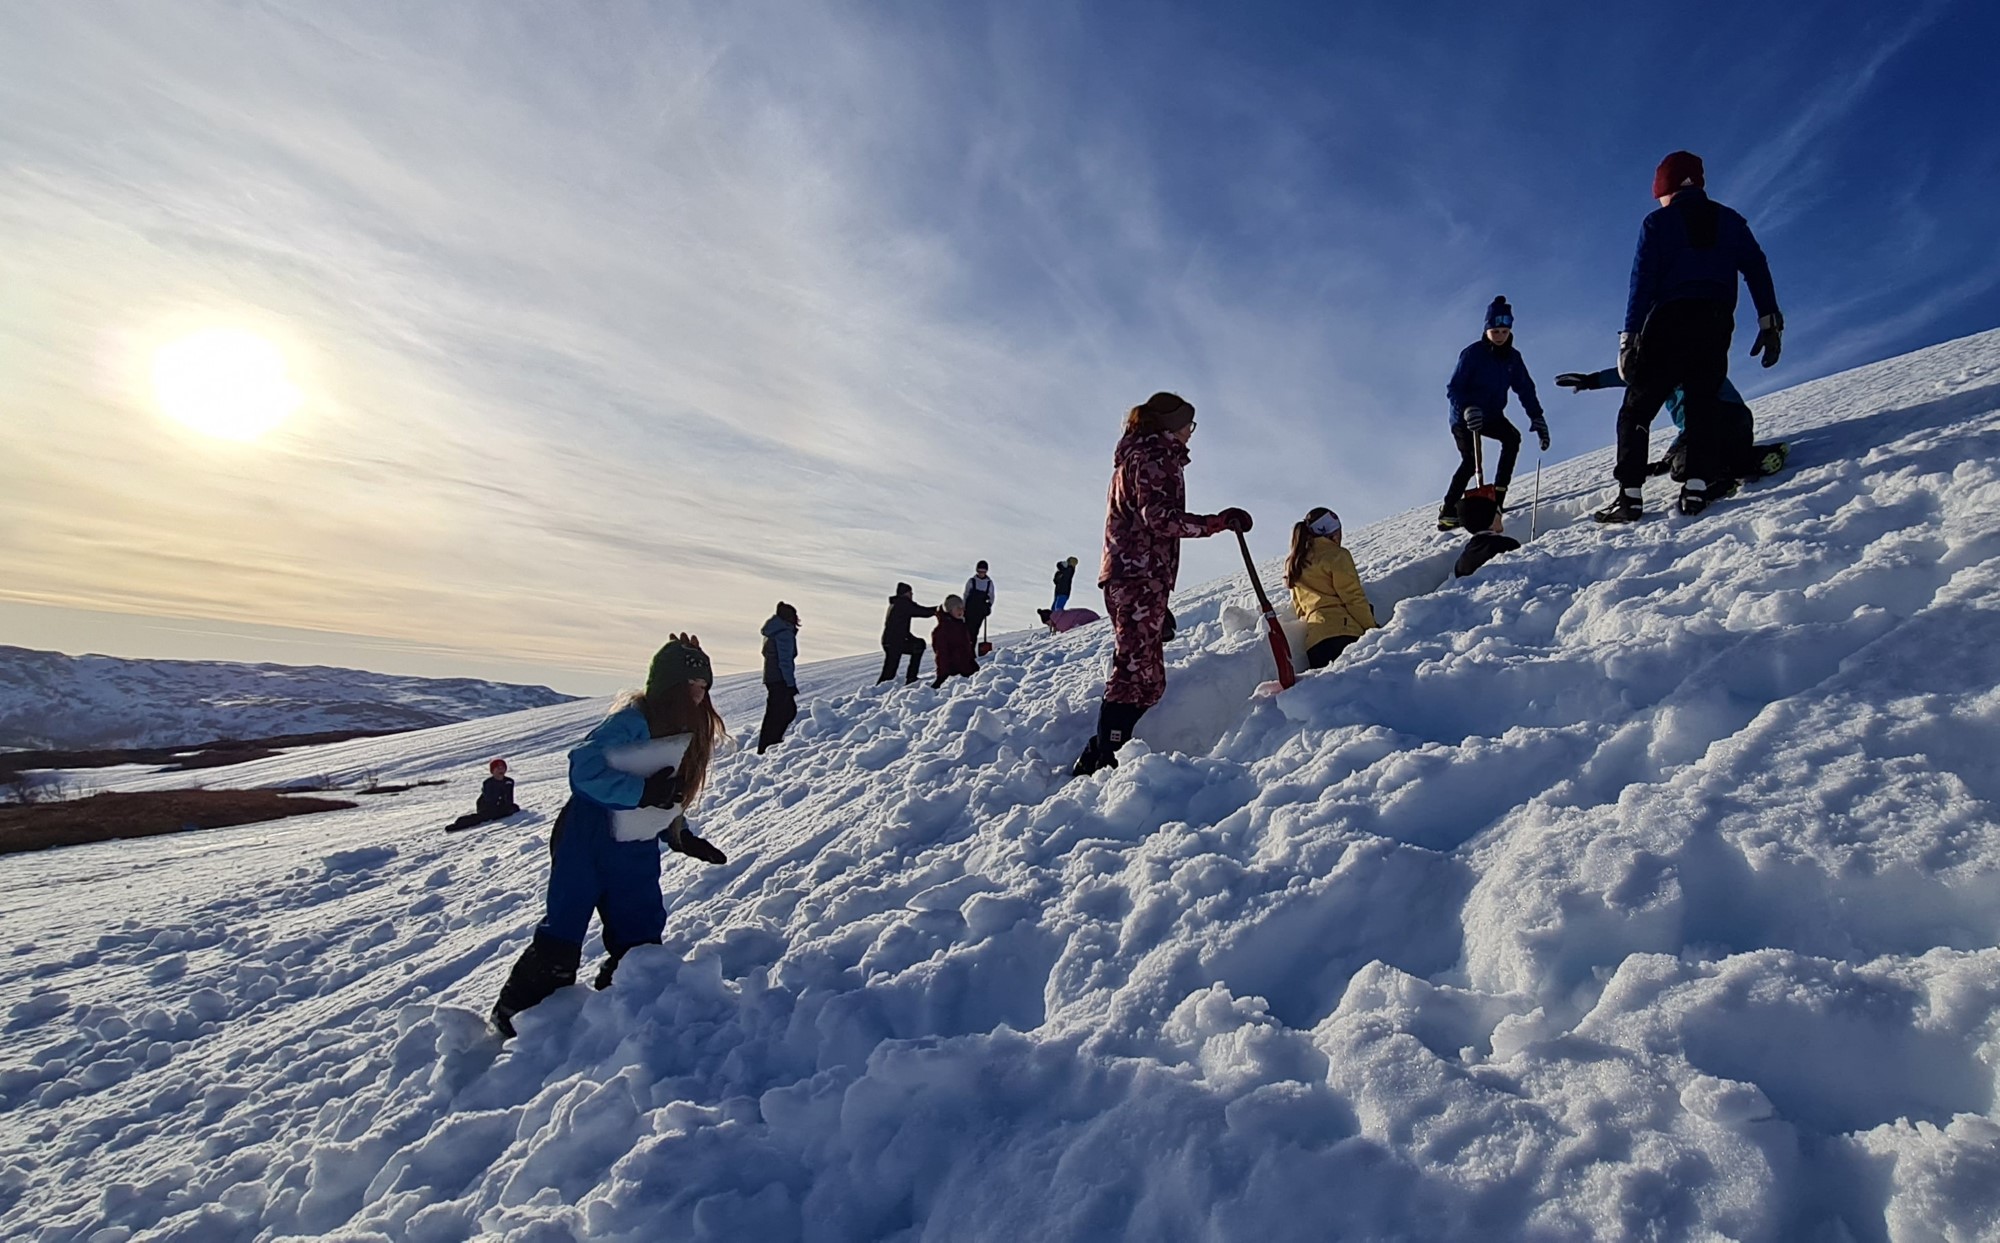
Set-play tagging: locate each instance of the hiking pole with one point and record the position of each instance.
(1281, 647)
(1535, 514)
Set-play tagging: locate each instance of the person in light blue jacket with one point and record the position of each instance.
(1486, 370)
(630, 783)
(781, 676)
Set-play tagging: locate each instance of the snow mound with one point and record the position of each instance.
(1645, 885)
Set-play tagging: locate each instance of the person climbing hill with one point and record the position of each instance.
(1326, 589)
(631, 783)
(1065, 579)
(1145, 521)
(1478, 394)
(951, 642)
(781, 676)
(1680, 313)
(897, 641)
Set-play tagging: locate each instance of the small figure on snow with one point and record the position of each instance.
(1065, 579)
(1326, 588)
(897, 641)
(1481, 516)
(1737, 422)
(1062, 621)
(1478, 393)
(631, 782)
(951, 642)
(781, 678)
(1679, 316)
(979, 595)
(1144, 523)
(496, 799)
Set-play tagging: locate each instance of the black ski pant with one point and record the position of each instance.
(1496, 427)
(1326, 651)
(1684, 345)
(893, 651)
(781, 708)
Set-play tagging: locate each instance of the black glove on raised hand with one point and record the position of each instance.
(1628, 354)
(663, 789)
(1234, 519)
(1770, 329)
(1474, 417)
(1581, 381)
(1540, 429)
(681, 839)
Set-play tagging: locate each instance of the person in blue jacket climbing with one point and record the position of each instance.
(1680, 313)
(631, 782)
(1478, 393)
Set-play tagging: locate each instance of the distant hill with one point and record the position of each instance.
(50, 700)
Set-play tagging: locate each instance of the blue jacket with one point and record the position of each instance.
(1484, 373)
(1676, 400)
(1693, 248)
(590, 770)
(781, 653)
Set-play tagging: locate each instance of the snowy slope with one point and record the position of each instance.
(57, 702)
(1645, 886)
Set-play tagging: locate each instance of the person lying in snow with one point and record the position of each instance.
(1144, 523)
(1061, 621)
(1481, 516)
(631, 782)
(1326, 589)
(1760, 460)
(496, 799)
(951, 643)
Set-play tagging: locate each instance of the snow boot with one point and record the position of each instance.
(1094, 757)
(1773, 460)
(545, 966)
(1696, 499)
(1114, 726)
(1625, 507)
(1448, 518)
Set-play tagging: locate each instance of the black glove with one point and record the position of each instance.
(1628, 354)
(663, 789)
(1474, 418)
(1769, 330)
(1581, 381)
(1169, 628)
(1541, 429)
(681, 839)
(1234, 519)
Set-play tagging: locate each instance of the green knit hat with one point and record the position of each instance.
(677, 664)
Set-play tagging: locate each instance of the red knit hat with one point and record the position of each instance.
(1681, 169)
(497, 767)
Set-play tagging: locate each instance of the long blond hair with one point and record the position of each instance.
(1302, 537)
(677, 714)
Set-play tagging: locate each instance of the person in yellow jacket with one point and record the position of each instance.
(1326, 590)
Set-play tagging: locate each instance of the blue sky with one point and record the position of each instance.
(632, 317)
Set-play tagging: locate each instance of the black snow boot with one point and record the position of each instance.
(1115, 722)
(1448, 518)
(1624, 507)
(545, 966)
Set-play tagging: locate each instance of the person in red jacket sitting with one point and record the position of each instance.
(1145, 521)
(951, 643)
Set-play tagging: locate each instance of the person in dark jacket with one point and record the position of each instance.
(897, 641)
(631, 783)
(496, 799)
(1145, 521)
(951, 643)
(1481, 516)
(1478, 393)
(1760, 461)
(979, 596)
(781, 678)
(1065, 579)
(1680, 313)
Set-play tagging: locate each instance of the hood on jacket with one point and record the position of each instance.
(776, 624)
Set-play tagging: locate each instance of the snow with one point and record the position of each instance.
(49, 701)
(1644, 886)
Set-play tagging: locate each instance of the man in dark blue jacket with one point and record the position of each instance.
(1679, 318)
(1478, 391)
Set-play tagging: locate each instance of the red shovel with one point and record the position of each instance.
(985, 648)
(1281, 647)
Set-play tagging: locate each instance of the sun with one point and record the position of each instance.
(225, 382)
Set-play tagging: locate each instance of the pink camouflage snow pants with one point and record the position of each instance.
(1138, 610)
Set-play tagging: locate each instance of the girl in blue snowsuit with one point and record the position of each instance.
(630, 782)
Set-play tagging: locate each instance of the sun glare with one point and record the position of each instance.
(225, 382)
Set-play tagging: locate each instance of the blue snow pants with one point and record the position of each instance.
(590, 870)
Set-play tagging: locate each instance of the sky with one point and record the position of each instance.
(615, 320)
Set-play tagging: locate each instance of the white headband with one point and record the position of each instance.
(1327, 523)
